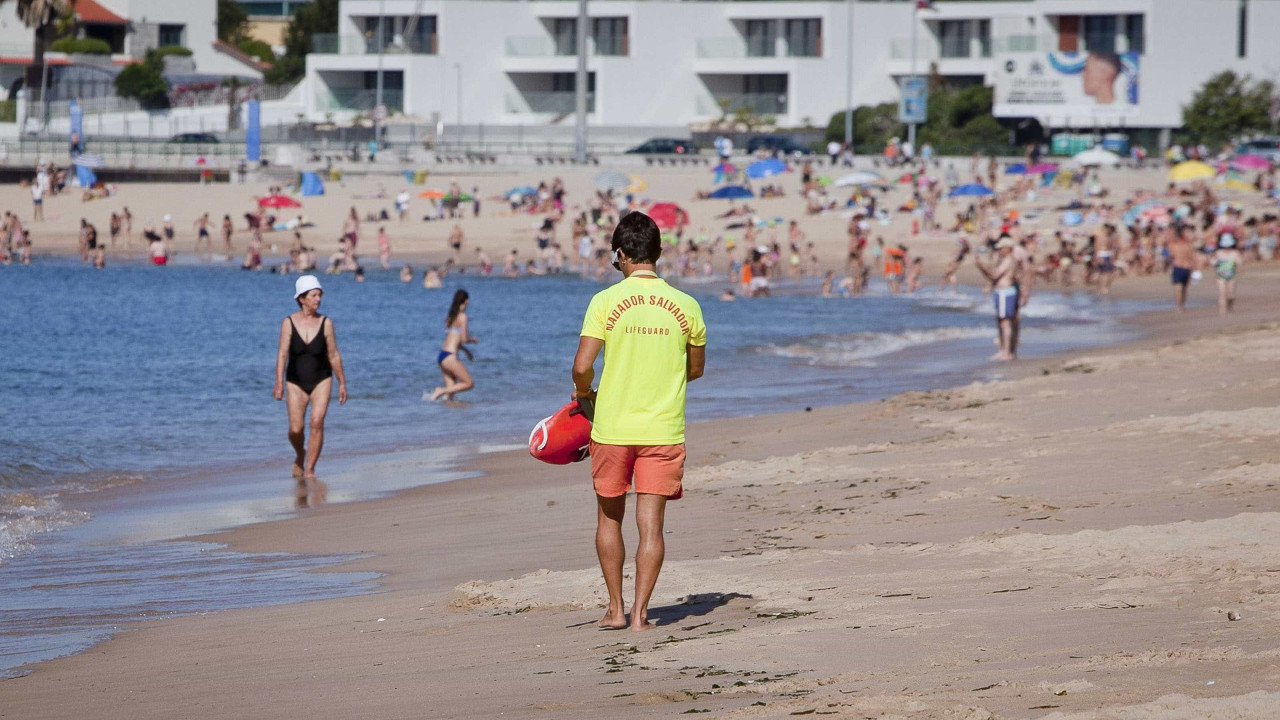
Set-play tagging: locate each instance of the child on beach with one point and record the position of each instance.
(1226, 265)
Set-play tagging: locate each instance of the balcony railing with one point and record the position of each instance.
(358, 100)
(535, 46)
(721, 47)
(755, 103)
(546, 102)
(1024, 44)
(330, 44)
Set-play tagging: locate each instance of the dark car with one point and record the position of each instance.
(665, 146)
(194, 138)
(780, 144)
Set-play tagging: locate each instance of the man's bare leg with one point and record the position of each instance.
(1181, 294)
(650, 515)
(612, 551)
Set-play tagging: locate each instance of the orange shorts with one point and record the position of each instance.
(656, 469)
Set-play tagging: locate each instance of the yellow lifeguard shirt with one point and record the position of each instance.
(646, 326)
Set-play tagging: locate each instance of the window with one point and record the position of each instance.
(1242, 28)
(421, 37)
(171, 34)
(565, 33)
(567, 82)
(764, 94)
(804, 37)
(984, 38)
(1069, 33)
(1135, 33)
(1100, 33)
(761, 38)
(611, 36)
(953, 38)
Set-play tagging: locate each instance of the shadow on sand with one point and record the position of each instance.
(692, 606)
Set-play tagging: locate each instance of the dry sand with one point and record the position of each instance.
(497, 230)
(1064, 543)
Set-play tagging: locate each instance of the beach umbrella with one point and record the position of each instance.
(1132, 214)
(637, 184)
(464, 197)
(972, 189)
(1238, 184)
(732, 192)
(432, 194)
(766, 168)
(1095, 157)
(278, 201)
(612, 180)
(824, 181)
(1250, 162)
(668, 215)
(1016, 169)
(525, 190)
(861, 177)
(1042, 168)
(89, 161)
(1191, 170)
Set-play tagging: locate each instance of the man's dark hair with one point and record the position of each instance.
(638, 238)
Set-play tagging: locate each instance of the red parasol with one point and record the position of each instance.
(278, 201)
(668, 215)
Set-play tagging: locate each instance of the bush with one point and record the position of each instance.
(171, 50)
(257, 49)
(145, 81)
(85, 46)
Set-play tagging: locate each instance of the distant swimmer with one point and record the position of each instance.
(456, 377)
(306, 362)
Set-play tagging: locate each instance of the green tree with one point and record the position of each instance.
(1226, 106)
(258, 49)
(315, 18)
(145, 81)
(232, 20)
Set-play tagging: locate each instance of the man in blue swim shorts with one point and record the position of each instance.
(1005, 290)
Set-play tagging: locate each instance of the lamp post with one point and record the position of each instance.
(377, 103)
(458, 68)
(848, 68)
(580, 89)
(915, 21)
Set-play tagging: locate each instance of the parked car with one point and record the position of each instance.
(780, 144)
(194, 138)
(665, 146)
(1268, 148)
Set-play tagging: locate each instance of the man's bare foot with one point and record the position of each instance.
(1002, 357)
(644, 625)
(297, 470)
(611, 621)
(309, 474)
(435, 394)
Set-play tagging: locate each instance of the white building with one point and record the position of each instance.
(130, 28)
(670, 63)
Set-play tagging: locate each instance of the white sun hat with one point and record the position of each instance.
(304, 285)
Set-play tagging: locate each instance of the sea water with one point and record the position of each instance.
(135, 375)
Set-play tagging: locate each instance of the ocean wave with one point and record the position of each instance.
(23, 515)
(862, 349)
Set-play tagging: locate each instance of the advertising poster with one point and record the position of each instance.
(1068, 85)
(913, 104)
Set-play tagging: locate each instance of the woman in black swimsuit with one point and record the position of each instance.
(306, 363)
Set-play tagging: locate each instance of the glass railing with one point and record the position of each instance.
(358, 99)
(730, 103)
(550, 102)
(531, 46)
(331, 44)
(721, 47)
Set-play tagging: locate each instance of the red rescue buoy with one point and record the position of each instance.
(562, 438)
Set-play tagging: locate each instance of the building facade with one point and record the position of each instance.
(130, 28)
(671, 63)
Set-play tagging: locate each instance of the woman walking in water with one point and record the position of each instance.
(456, 377)
(306, 363)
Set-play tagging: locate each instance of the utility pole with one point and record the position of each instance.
(915, 21)
(580, 89)
(458, 68)
(848, 84)
(382, 44)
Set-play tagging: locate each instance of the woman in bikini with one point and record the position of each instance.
(456, 377)
(306, 363)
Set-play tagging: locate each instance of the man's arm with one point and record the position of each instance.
(697, 361)
(584, 371)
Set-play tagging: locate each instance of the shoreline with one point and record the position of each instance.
(565, 549)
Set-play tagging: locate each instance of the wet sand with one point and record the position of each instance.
(1067, 542)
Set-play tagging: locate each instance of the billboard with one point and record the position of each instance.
(1067, 85)
(913, 101)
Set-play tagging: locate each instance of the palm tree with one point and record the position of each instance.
(40, 15)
